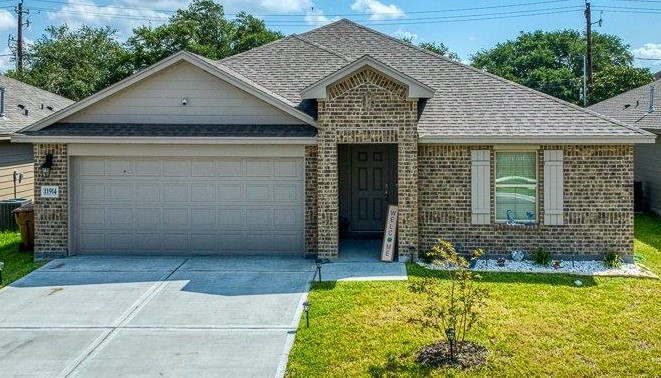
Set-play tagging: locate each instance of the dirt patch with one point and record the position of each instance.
(467, 355)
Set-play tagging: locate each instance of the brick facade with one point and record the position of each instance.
(51, 220)
(310, 200)
(366, 107)
(598, 203)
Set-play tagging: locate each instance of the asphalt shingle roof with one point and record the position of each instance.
(178, 130)
(467, 102)
(632, 107)
(32, 98)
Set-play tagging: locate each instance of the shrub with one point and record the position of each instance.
(541, 256)
(456, 305)
(613, 260)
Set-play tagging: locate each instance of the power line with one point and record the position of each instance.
(305, 14)
(655, 59)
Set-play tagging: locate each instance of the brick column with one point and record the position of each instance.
(311, 232)
(407, 189)
(51, 215)
(327, 188)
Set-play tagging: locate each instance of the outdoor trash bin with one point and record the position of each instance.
(24, 216)
(6, 216)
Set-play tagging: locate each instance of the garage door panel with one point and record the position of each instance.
(93, 216)
(203, 217)
(203, 192)
(93, 192)
(230, 193)
(146, 192)
(203, 168)
(231, 219)
(286, 192)
(117, 167)
(121, 242)
(259, 168)
(176, 242)
(176, 168)
(188, 205)
(175, 192)
(286, 242)
(118, 193)
(287, 168)
(258, 192)
(230, 168)
(146, 217)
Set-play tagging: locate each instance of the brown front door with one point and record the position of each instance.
(372, 186)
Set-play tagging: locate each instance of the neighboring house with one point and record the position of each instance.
(641, 107)
(22, 105)
(273, 150)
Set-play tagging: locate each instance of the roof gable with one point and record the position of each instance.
(467, 102)
(415, 89)
(199, 62)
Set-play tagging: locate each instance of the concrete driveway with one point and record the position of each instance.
(153, 316)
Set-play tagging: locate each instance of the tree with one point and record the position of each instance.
(440, 49)
(552, 62)
(74, 63)
(202, 29)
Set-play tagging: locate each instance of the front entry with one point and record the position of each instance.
(368, 183)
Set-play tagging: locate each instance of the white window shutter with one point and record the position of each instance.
(480, 186)
(553, 187)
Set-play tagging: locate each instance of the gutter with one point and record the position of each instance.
(642, 139)
(306, 141)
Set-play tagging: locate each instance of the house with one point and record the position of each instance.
(641, 107)
(273, 150)
(20, 105)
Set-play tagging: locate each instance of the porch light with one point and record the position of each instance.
(306, 308)
(47, 165)
(450, 333)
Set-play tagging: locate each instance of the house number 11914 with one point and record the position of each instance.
(50, 192)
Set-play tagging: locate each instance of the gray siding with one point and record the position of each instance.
(158, 100)
(16, 157)
(648, 170)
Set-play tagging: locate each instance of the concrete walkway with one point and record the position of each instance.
(155, 316)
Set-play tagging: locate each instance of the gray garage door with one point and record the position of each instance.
(188, 206)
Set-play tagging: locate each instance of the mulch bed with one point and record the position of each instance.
(467, 355)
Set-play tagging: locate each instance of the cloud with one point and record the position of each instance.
(123, 16)
(263, 6)
(6, 62)
(405, 35)
(316, 17)
(648, 51)
(7, 20)
(378, 10)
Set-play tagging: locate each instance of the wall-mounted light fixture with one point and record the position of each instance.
(47, 165)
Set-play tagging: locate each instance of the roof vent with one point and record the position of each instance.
(2, 101)
(651, 109)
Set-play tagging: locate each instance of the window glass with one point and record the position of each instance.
(516, 187)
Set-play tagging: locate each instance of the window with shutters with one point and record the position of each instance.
(516, 187)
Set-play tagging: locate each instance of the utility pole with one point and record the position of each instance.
(19, 40)
(588, 49)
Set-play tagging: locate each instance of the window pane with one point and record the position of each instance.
(516, 186)
(515, 168)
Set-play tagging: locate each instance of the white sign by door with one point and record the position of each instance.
(50, 191)
(389, 235)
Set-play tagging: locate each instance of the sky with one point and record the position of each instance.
(466, 27)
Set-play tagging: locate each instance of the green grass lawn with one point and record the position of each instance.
(535, 325)
(17, 264)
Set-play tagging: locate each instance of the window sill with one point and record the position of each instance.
(517, 226)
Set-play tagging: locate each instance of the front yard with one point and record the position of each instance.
(535, 325)
(17, 264)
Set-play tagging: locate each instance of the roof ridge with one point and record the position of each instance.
(501, 79)
(320, 46)
(653, 82)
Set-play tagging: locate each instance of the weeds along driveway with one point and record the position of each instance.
(153, 316)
